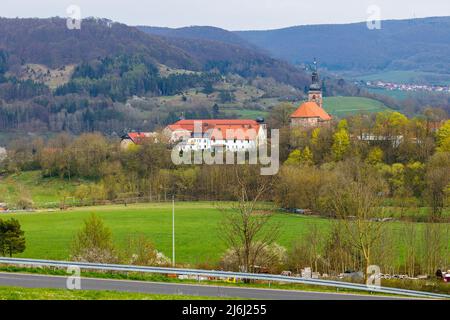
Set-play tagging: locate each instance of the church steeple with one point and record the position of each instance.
(315, 89)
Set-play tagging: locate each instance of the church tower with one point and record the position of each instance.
(315, 89)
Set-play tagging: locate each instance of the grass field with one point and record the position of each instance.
(344, 106)
(49, 234)
(12, 293)
(396, 94)
(407, 77)
(197, 229)
(31, 184)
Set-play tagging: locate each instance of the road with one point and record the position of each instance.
(58, 282)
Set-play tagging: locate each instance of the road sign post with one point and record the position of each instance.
(173, 231)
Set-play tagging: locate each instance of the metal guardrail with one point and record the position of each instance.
(222, 274)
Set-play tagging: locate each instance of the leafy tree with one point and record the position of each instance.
(141, 251)
(415, 178)
(295, 158)
(343, 125)
(341, 144)
(93, 243)
(443, 137)
(280, 115)
(375, 156)
(12, 239)
(437, 180)
(315, 136)
(82, 192)
(307, 156)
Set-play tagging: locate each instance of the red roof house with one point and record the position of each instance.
(310, 114)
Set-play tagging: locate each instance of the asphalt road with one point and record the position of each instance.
(58, 282)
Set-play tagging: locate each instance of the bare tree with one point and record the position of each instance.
(356, 203)
(437, 179)
(409, 238)
(306, 251)
(435, 247)
(246, 227)
(338, 253)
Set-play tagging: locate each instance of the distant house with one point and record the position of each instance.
(311, 114)
(137, 138)
(214, 134)
(394, 140)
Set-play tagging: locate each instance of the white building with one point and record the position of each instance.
(216, 134)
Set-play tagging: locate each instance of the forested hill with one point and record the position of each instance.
(221, 49)
(49, 42)
(200, 33)
(56, 79)
(417, 44)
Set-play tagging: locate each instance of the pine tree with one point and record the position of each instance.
(12, 238)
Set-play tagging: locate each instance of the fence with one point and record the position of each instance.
(221, 274)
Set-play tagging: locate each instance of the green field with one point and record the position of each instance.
(395, 94)
(49, 234)
(407, 77)
(31, 184)
(345, 106)
(12, 293)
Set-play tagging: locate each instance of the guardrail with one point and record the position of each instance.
(221, 274)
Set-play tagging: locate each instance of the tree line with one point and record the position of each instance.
(95, 97)
(408, 155)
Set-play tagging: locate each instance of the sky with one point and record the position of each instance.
(230, 14)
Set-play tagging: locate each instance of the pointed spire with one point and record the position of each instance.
(315, 85)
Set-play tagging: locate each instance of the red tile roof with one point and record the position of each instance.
(139, 137)
(311, 110)
(221, 128)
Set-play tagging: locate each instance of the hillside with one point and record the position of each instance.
(48, 42)
(215, 48)
(345, 106)
(418, 44)
(199, 33)
(54, 79)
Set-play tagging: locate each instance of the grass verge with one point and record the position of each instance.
(13, 293)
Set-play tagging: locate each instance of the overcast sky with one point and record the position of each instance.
(228, 14)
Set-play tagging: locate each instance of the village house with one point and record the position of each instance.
(137, 138)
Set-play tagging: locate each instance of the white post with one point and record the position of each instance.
(173, 231)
